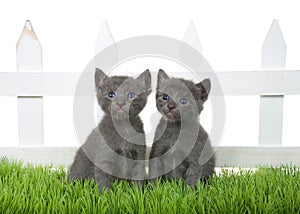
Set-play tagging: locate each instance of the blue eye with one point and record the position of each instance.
(183, 101)
(131, 95)
(111, 94)
(166, 97)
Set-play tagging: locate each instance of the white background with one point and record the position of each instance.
(231, 34)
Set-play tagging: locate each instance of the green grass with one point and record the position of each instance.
(28, 189)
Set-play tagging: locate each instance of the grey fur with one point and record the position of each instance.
(192, 168)
(93, 159)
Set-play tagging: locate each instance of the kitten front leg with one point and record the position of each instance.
(82, 167)
(137, 169)
(136, 165)
(153, 171)
(157, 167)
(193, 174)
(103, 179)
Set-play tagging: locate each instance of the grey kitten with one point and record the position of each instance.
(180, 102)
(120, 132)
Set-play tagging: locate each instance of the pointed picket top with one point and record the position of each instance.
(29, 49)
(103, 41)
(191, 37)
(274, 48)
(104, 38)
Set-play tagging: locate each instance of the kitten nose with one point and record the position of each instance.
(120, 104)
(171, 106)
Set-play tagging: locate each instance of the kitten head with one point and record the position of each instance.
(122, 96)
(177, 99)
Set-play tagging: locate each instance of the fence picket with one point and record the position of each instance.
(30, 108)
(271, 106)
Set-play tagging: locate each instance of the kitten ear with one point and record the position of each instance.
(204, 86)
(99, 77)
(145, 78)
(161, 76)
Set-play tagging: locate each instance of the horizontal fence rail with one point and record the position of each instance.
(226, 156)
(262, 82)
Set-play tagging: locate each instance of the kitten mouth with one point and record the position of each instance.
(119, 110)
(170, 114)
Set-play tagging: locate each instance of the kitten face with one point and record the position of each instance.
(122, 96)
(177, 99)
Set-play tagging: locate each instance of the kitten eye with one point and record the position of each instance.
(166, 97)
(131, 95)
(111, 94)
(183, 101)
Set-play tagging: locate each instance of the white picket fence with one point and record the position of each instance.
(271, 83)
